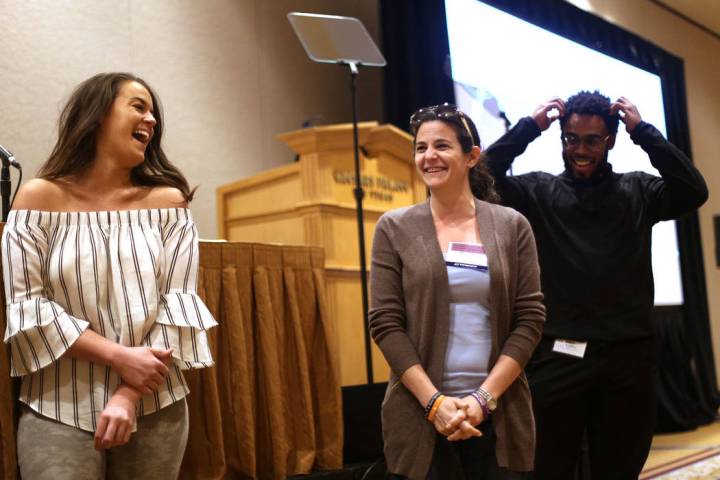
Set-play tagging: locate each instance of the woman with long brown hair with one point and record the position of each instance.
(457, 311)
(100, 259)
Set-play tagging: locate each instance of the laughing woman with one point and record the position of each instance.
(457, 311)
(100, 259)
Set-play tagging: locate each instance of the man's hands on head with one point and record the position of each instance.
(544, 115)
(628, 113)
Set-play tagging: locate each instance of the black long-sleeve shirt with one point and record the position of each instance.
(593, 236)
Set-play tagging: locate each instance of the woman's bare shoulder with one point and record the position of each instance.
(165, 197)
(39, 194)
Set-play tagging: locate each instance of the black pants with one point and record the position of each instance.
(608, 395)
(471, 459)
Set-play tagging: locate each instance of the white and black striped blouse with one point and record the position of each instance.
(130, 276)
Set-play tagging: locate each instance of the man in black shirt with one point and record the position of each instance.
(593, 371)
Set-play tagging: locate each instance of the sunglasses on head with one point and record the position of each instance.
(446, 111)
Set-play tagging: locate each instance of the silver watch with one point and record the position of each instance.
(489, 399)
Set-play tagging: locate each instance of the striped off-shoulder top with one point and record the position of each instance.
(130, 276)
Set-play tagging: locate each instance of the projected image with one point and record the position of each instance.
(502, 65)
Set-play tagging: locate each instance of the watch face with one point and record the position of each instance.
(489, 399)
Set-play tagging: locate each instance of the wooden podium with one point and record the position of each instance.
(311, 202)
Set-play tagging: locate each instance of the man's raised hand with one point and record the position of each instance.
(628, 113)
(544, 115)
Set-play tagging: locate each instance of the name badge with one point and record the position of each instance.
(466, 255)
(570, 347)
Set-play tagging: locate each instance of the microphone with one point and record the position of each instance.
(8, 158)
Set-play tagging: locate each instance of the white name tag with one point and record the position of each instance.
(466, 255)
(570, 347)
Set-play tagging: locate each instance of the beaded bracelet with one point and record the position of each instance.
(430, 404)
(483, 404)
(434, 409)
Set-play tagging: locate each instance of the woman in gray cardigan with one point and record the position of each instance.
(457, 311)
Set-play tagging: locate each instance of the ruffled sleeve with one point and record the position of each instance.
(38, 330)
(183, 319)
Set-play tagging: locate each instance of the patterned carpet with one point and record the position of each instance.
(691, 455)
(702, 465)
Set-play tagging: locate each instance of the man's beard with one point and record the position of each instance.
(598, 171)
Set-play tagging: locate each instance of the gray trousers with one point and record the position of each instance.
(49, 450)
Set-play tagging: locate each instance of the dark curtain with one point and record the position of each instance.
(683, 399)
(415, 42)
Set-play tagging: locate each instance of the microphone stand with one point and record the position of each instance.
(5, 188)
(7, 160)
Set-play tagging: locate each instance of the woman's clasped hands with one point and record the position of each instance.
(142, 370)
(456, 418)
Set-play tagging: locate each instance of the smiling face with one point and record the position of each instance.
(439, 157)
(589, 145)
(128, 127)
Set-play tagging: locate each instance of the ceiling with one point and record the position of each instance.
(704, 14)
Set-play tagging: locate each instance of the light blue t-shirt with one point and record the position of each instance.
(470, 336)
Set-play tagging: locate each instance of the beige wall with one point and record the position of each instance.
(701, 54)
(230, 73)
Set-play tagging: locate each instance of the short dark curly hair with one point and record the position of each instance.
(591, 103)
